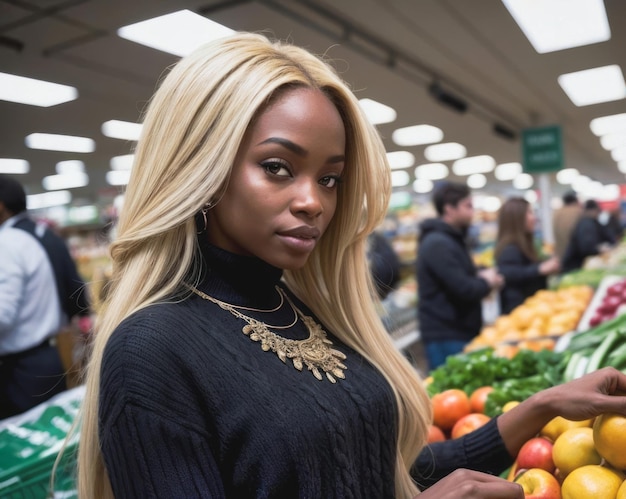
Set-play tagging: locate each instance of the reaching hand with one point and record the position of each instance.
(468, 484)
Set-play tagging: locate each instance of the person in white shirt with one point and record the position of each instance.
(30, 312)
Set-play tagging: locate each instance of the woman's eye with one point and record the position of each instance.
(276, 168)
(330, 181)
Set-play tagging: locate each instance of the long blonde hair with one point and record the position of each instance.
(191, 134)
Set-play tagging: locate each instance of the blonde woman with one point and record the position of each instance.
(239, 353)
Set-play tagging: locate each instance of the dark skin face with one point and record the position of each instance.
(282, 192)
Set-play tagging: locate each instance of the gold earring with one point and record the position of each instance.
(204, 211)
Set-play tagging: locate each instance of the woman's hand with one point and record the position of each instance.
(591, 395)
(596, 393)
(468, 484)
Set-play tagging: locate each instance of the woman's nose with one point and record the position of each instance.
(307, 198)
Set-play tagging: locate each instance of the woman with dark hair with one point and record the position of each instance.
(516, 255)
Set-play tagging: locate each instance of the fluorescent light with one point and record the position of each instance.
(473, 164)
(422, 185)
(400, 159)
(486, 203)
(507, 171)
(619, 154)
(445, 152)
(54, 142)
(399, 178)
(33, 92)
(608, 124)
(591, 86)
(432, 171)
(65, 181)
(621, 166)
(376, 112)
(613, 140)
(416, 135)
(531, 196)
(14, 166)
(48, 199)
(580, 182)
(178, 33)
(566, 176)
(118, 177)
(523, 181)
(124, 130)
(609, 192)
(83, 214)
(476, 181)
(552, 25)
(70, 166)
(124, 162)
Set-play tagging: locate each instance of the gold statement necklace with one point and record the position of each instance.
(314, 352)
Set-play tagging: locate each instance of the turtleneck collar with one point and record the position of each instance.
(236, 279)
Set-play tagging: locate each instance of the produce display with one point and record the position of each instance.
(548, 313)
(608, 302)
(603, 345)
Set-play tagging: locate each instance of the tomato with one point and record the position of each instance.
(449, 406)
(468, 424)
(479, 397)
(435, 434)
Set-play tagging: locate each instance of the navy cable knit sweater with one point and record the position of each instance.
(191, 407)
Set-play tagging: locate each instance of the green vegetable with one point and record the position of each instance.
(593, 337)
(602, 352)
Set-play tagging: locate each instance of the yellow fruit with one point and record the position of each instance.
(558, 425)
(621, 493)
(509, 405)
(609, 436)
(574, 448)
(591, 482)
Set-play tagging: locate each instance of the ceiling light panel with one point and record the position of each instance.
(523, 181)
(54, 142)
(448, 151)
(14, 166)
(178, 33)
(605, 125)
(432, 171)
(400, 178)
(70, 166)
(613, 140)
(474, 164)
(552, 25)
(65, 181)
(476, 181)
(376, 112)
(422, 185)
(566, 176)
(124, 130)
(33, 92)
(48, 199)
(507, 171)
(592, 86)
(118, 177)
(417, 135)
(124, 162)
(400, 159)
(619, 154)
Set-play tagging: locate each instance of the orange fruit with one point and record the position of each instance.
(509, 405)
(435, 434)
(468, 424)
(479, 397)
(449, 406)
(574, 448)
(591, 482)
(609, 436)
(558, 425)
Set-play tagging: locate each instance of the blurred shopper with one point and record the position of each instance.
(384, 264)
(563, 222)
(589, 238)
(450, 288)
(516, 255)
(39, 291)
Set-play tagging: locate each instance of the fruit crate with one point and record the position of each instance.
(30, 444)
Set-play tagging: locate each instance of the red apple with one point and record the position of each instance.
(536, 453)
(435, 434)
(469, 423)
(539, 484)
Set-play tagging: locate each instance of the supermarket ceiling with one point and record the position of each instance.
(391, 51)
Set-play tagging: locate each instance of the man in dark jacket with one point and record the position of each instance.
(450, 288)
(588, 238)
